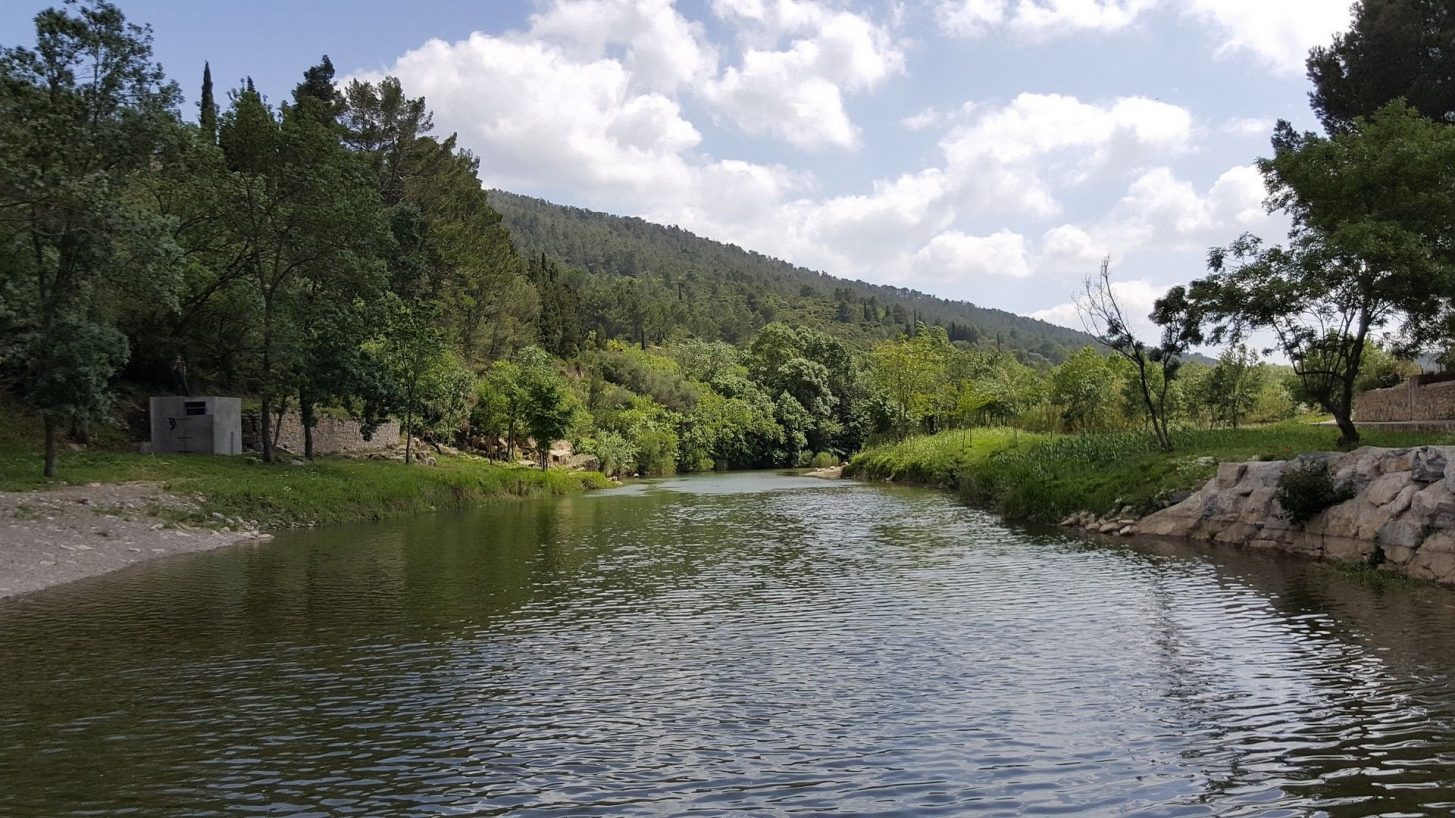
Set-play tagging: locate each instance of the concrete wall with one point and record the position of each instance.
(330, 434)
(1407, 402)
(217, 430)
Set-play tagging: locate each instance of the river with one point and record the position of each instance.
(734, 644)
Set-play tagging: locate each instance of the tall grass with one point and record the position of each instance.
(1046, 477)
(327, 491)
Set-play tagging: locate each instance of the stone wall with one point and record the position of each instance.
(330, 434)
(1402, 515)
(1407, 402)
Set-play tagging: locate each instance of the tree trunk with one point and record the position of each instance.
(305, 414)
(266, 420)
(50, 446)
(1348, 433)
(408, 438)
(278, 425)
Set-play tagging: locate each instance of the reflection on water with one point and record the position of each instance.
(750, 644)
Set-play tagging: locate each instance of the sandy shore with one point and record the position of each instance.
(53, 537)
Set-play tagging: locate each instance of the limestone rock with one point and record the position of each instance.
(1403, 509)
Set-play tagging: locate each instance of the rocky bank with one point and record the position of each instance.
(1401, 517)
(62, 535)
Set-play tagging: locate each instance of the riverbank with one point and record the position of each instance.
(113, 509)
(1046, 478)
(54, 537)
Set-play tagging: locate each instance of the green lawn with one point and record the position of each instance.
(1046, 477)
(329, 490)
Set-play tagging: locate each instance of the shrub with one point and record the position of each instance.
(823, 460)
(1304, 492)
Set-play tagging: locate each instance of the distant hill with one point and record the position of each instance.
(721, 290)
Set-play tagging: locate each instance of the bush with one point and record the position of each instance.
(1304, 493)
(823, 460)
(657, 453)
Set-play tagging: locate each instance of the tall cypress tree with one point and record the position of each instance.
(208, 117)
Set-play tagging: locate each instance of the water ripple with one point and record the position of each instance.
(741, 644)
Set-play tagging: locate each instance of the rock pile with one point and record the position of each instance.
(1401, 516)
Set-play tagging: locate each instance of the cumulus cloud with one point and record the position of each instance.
(534, 114)
(1136, 298)
(1248, 126)
(1278, 33)
(663, 49)
(796, 92)
(955, 255)
(1010, 157)
(1037, 18)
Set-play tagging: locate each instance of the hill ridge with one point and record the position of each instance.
(605, 244)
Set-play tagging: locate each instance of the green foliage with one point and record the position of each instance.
(1087, 388)
(1305, 492)
(650, 284)
(1396, 49)
(327, 491)
(823, 460)
(1046, 477)
(656, 452)
(616, 454)
(80, 114)
(1368, 249)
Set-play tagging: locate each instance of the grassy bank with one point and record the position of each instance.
(1046, 477)
(327, 491)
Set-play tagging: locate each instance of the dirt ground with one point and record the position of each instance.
(57, 536)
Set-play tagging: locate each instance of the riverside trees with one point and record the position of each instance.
(80, 115)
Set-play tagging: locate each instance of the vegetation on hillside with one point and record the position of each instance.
(648, 282)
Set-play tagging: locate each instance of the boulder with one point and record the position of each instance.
(1428, 464)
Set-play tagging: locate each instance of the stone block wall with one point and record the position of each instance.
(1409, 401)
(330, 434)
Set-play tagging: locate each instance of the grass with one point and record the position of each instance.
(329, 490)
(1046, 477)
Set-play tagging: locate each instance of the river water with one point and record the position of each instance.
(737, 644)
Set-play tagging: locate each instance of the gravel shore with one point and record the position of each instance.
(52, 537)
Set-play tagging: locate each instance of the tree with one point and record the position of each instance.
(1396, 49)
(1085, 388)
(425, 376)
(307, 220)
(79, 115)
(1235, 384)
(207, 106)
(910, 371)
(548, 410)
(1154, 367)
(1369, 247)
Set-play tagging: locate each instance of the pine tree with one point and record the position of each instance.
(208, 117)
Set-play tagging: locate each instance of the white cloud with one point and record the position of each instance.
(1067, 251)
(1279, 33)
(1035, 19)
(534, 114)
(663, 49)
(1136, 298)
(1248, 126)
(963, 258)
(796, 92)
(1011, 157)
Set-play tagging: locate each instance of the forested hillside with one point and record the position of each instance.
(721, 291)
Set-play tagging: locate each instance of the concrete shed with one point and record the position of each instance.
(198, 425)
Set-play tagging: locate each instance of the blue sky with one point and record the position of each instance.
(987, 150)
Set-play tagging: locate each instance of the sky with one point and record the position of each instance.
(992, 151)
